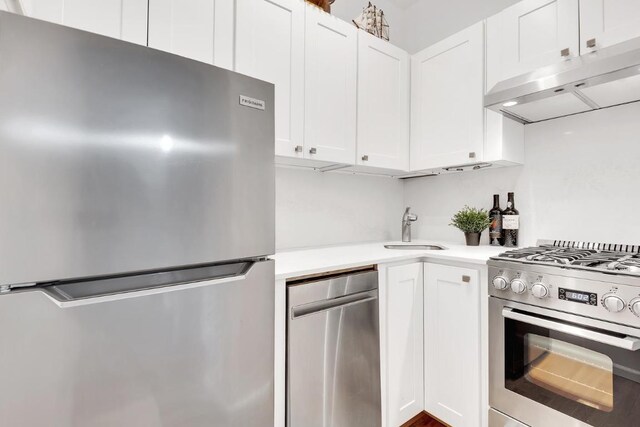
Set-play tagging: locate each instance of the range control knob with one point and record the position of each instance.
(613, 303)
(518, 286)
(539, 290)
(500, 283)
(634, 306)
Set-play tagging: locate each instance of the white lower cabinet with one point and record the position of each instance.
(452, 353)
(401, 337)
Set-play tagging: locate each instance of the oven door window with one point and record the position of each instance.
(593, 382)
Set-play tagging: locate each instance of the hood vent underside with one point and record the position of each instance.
(600, 79)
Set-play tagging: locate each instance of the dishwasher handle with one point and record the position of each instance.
(334, 303)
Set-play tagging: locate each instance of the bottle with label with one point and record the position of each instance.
(510, 223)
(495, 229)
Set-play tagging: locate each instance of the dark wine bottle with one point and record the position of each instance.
(510, 223)
(495, 229)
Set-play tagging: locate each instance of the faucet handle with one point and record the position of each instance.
(408, 216)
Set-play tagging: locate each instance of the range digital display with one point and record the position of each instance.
(578, 296)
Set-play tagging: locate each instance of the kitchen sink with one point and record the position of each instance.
(417, 247)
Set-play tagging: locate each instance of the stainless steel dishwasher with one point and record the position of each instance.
(333, 351)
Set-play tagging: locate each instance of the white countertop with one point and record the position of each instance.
(303, 262)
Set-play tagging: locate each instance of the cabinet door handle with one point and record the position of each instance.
(365, 158)
(466, 279)
(565, 52)
(313, 151)
(591, 43)
(298, 149)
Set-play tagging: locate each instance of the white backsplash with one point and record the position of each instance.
(316, 209)
(580, 181)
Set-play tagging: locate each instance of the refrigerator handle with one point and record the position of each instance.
(146, 292)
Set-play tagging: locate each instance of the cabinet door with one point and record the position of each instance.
(447, 102)
(383, 104)
(270, 46)
(608, 22)
(452, 344)
(331, 49)
(196, 29)
(121, 19)
(403, 343)
(529, 35)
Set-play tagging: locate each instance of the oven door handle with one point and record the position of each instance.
(627, 343)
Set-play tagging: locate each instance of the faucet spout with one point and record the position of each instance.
(407, 219)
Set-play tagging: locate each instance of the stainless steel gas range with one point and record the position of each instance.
(564, 336)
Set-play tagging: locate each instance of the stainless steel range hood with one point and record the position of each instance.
(600, 79)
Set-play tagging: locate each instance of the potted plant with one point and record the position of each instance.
(472, 222)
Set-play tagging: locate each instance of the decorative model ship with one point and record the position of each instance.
(372, 20)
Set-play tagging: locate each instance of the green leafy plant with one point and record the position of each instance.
(471, 220)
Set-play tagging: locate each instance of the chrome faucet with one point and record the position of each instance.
(407, 219)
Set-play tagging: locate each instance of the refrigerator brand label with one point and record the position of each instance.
(258, 104)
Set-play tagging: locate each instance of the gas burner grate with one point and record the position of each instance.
(607, 247)
(580, 255)
(562, 256)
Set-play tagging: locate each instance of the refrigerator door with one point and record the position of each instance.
(119, 158)
(186, 355)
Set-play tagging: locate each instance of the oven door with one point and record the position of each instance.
(550, 368)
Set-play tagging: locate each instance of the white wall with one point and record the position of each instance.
(429, 21)
(417, 24)
(315, 208)
(580, 181)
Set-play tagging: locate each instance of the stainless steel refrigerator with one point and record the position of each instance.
(136, 218)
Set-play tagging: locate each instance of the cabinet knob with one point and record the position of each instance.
(565, 52)
(298, 149)
(313, 151)
(591, 43)
(466, 279)
(472, 155)
(365, 158)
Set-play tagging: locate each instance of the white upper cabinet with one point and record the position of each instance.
(331, 48)
(383, 104)
(196, 29)
(270, 47)
(530, 35)
(402, 335)
(604, 23)
(121, 19)
(452, 358)
(447, 110)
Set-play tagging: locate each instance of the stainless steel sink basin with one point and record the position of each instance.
(416, 247)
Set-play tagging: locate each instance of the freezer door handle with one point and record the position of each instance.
(147, 291)
(330, 304)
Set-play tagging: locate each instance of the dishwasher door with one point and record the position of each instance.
(333, 349)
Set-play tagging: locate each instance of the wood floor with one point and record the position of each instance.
(423, 420)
